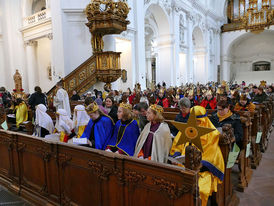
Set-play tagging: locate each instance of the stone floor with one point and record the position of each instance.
(260, 191)
(9, 199)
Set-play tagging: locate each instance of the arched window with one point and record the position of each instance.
(38, 5)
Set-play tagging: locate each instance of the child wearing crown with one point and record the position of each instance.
(155, 141)
(210, 101)
(99, 128)
(126, 132)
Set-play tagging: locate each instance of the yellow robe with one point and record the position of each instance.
(212, 158)
(21, 113)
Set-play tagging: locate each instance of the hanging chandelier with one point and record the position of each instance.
(256, 20)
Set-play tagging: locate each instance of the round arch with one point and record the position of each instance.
(158, 21)
(30, 7)
(199, 56)
(161, 18)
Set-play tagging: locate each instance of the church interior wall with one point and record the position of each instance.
(78, 44)
(251, 49)
(125, 46)
(43, 63)
(13, 46)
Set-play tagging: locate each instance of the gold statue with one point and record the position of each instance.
(17, 80)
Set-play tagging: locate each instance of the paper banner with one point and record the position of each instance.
(259, 136)
(247, 150)
(233, 156)
(4, 125)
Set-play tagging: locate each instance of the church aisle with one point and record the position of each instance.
(8, 198)
(260, 191)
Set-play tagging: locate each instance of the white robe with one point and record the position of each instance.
(161, 142)
(61, 101)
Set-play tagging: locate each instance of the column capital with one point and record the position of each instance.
(50, 36)
(30, 43)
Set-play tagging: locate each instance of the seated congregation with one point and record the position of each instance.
(138, 123)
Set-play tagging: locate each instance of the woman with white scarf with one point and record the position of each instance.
(43, 122)
(64, 125)
(80, 120)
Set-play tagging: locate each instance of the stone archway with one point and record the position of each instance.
(199, 56)
(247, 49)
(159, 45)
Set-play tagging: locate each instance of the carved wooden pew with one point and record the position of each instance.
(169, 109)
(269, 114)
(225, 196)
(255, 147)
(244, 162)
(48, 173)
(27, 126)
(263, 125)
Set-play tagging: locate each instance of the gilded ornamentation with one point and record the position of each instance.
(18, 92)
(104, 62)
(72, 84)
(82, 76)
(104, 17)
(251, 18)
(17, 80)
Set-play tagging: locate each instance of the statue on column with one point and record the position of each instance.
(17, 81)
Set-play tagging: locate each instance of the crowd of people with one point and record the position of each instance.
(131, 123)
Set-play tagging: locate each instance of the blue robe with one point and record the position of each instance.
(129, 138)
(103, 130)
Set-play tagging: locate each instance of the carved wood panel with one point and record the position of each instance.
(62, 174)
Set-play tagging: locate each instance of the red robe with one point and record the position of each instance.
(209, 104)
(162, 102)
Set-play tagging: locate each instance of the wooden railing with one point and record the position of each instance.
(48, 173)
(102, 66)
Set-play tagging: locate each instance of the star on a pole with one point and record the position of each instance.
(191, 132)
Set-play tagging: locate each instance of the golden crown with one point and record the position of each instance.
(157, 108)
(126, 106)
(93, 107)
(190, 92)
(208, 92)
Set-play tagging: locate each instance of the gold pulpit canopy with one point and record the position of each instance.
(107, 16)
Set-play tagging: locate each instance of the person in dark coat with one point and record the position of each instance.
(37, 98)
(260, 96)
(142, 107)
(225, 116)
(183, 116)
(75, 96)
(6, 97)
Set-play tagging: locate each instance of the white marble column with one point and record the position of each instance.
(165, 60)
(225, 68)
(31, 65)
(176, 30)
(148, 67)
(140, 44)
(190, 71)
